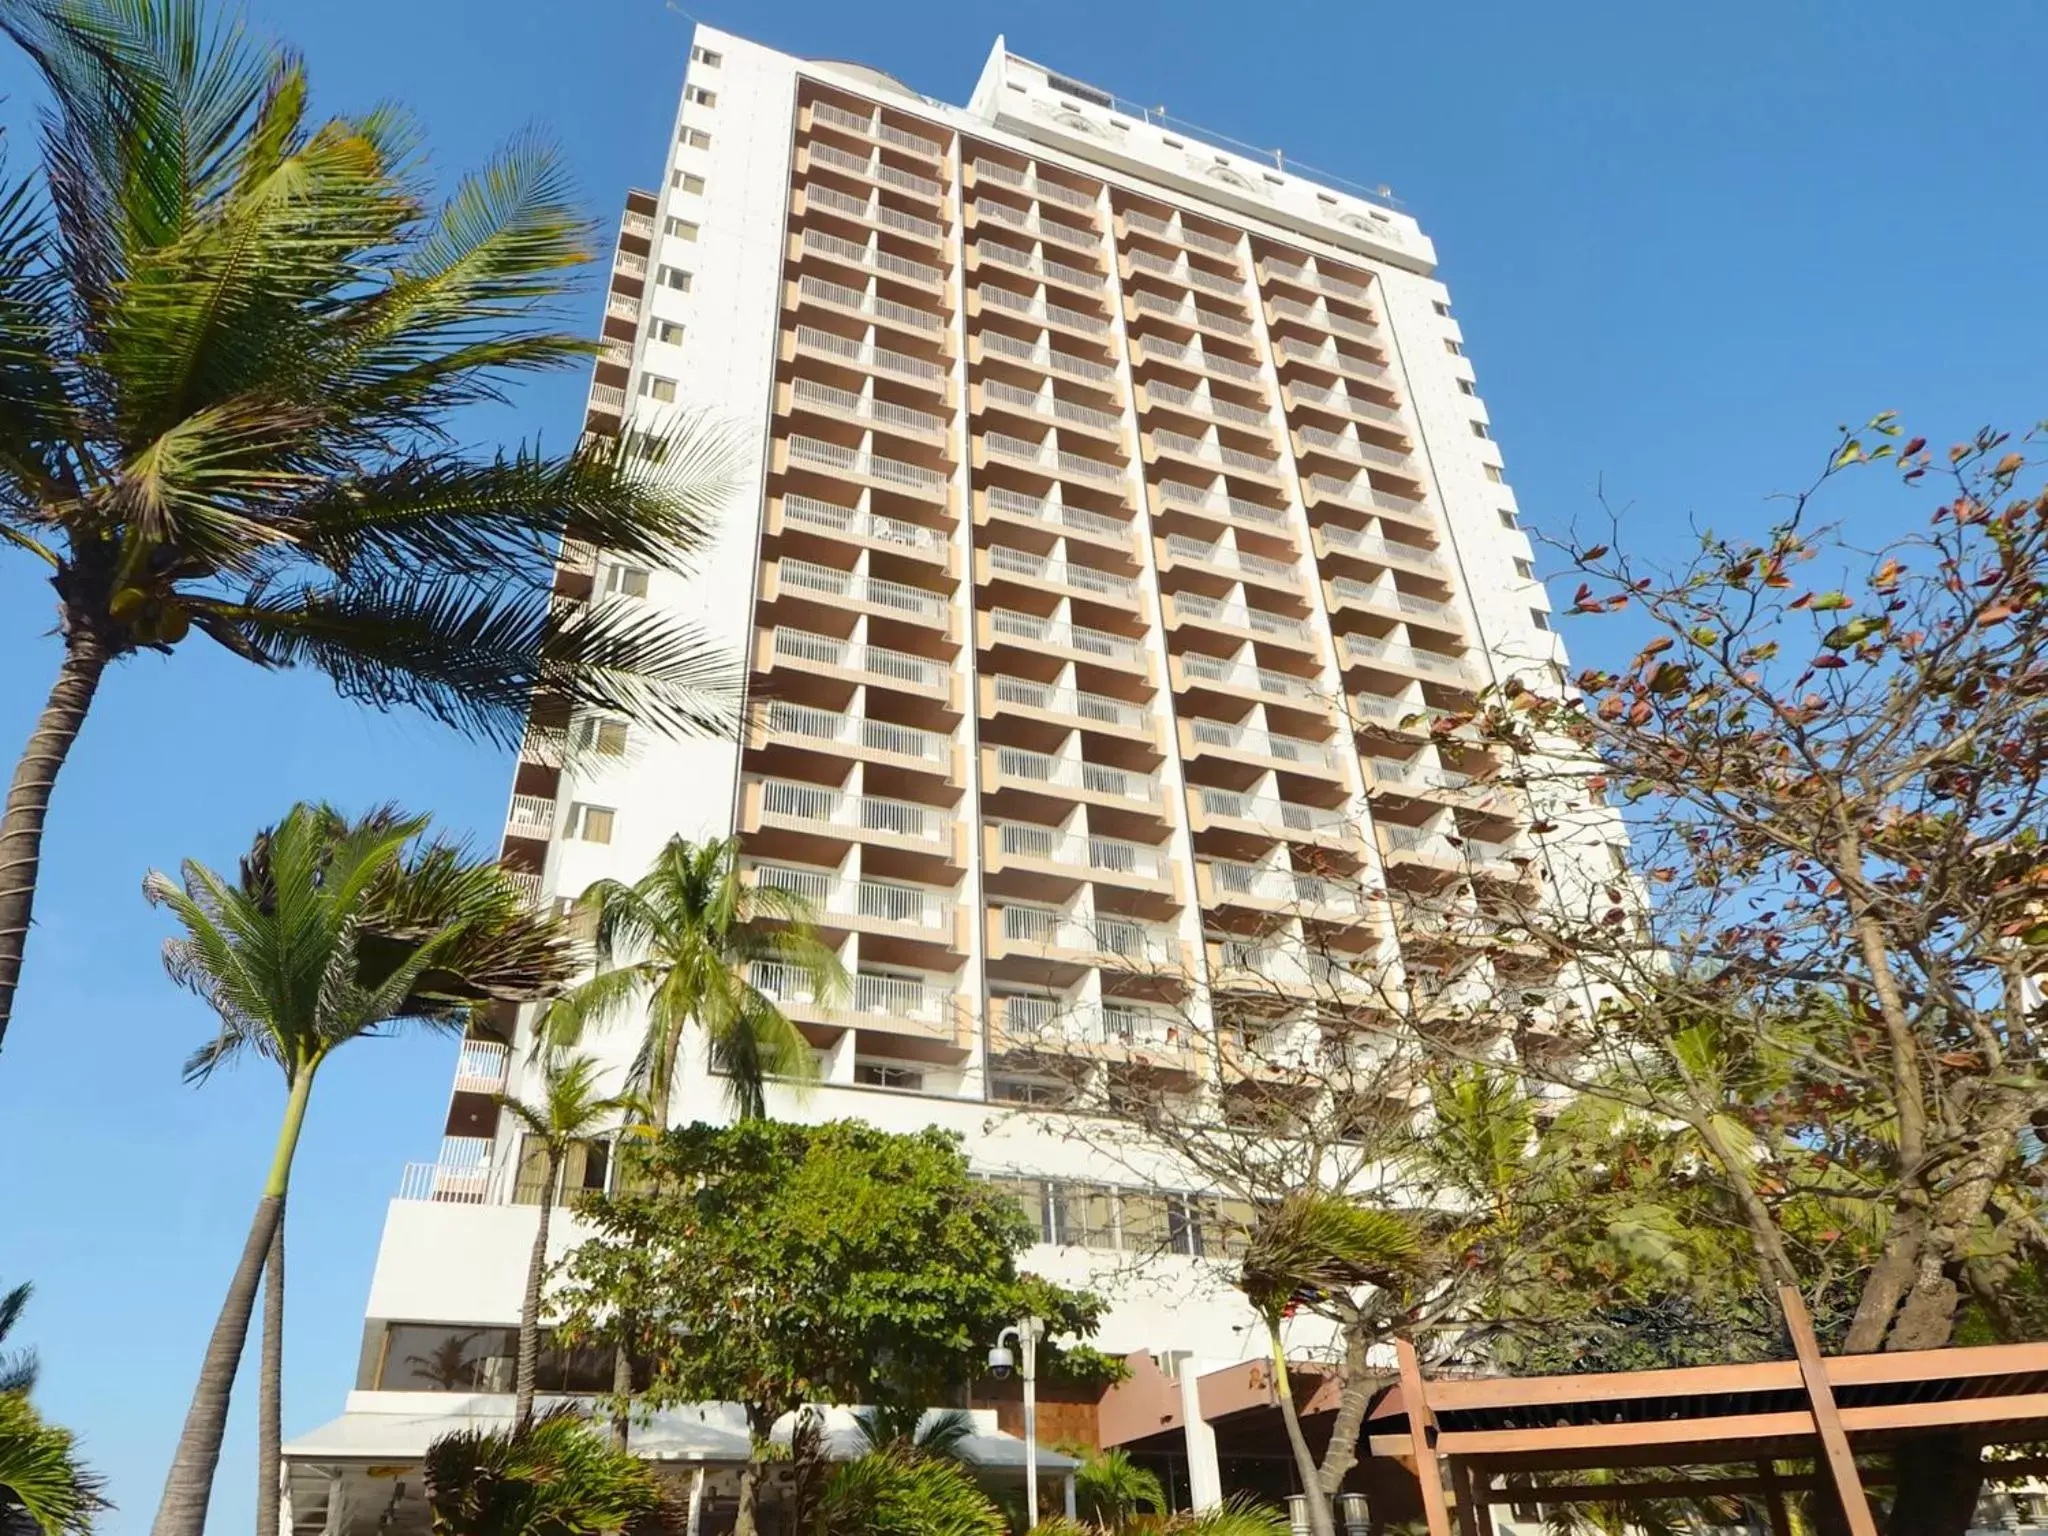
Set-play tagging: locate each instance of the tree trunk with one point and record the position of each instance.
(529, 1304)
(1939, 1480)
(622, 1388)
(1353, 1398)
(28, 801)
(1319, 1521)
(270, 1388)
(748, 1521)
(189, 1486)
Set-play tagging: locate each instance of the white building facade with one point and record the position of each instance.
(1120, 510)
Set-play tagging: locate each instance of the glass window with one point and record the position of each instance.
(696, 138)
(438, 1357)
(1525, 568)
(1479, 429)
(1493, 473)
(686, 181)
(1453, 348)
(681, 229)
(875, 1074)
(676, 278)
(668, 331)
(1467, 387)
(1539, 618)
(604, 737)
(591, 823)
(706, 56)
(657, 388)
(699, 96)
(625, 581)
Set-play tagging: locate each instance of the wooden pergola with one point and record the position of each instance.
(1488, 1435)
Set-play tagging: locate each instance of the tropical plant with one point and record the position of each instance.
(1110, 1489)
(571, 1109)
(832, 1262)
(678, 943)
(553, 1476)
(45, 1490)
(1310, 1247)
(324, 938)
(1233, 1517)
(894, 1492)
(909, 1428)
(232, 335)
(18, 1367)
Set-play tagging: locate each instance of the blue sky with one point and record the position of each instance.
(1684, 242)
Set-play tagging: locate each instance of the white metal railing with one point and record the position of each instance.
(865, 406)
(876, 128)
(1051, 458)
(1075, 637)
(1243, 675)
(1270, 811)
(1073, 773)
(1038, 265)
(527, 883)
(873, 211)
(636, 223)
(1482, 852)
(1038, 225)
(1063, 573)
(1322, 315)
(462, 1176)
(875, 168)
(858, 461)
(578, 557)
(1174, 229)
(889, 901)
(1283, 885)
(1051, 1021)
(1373, 547)
(619, 307)
(1419, 840)
(607, 397)
(853, 656)
(810, 724)
(480, 1066)
(1212, 610)
(629, 264)
(867, 355)
(821, 804)
(1037, 186)
(871, 257)
(1204, 403)
(1095, 707)
(1208, 452)
(1331, 356)
(1188, 312)
(618, 353)
(1225, 557)
(1185, 271)
(1111, 855)
(1045, 403)
(1121, 938)
(1042, 310)
(1221, 504)
(1359, 493)
(1194, 355)
(1371, 648)
(870, 304)
(1249, 738)
(1342, 400)
(531, 816)
(857, 588)
(1045, 355)
(809, 512)
(1044, 510)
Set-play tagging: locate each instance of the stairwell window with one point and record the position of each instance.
(655, 387)
(668, 331)
(1526, 569)
(1539, 618)
(1479, 430)
(697, 96)
(625, 581)
(680, 229)
(676, 278)
(706, 56)
(590, 823)
(1508, 519)
(696, 138)
(686, 181)
(606, 738)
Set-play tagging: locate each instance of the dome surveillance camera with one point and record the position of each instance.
(1001, 1363)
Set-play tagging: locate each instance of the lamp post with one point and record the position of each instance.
(1025, 1335)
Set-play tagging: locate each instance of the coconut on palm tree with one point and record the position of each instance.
(333, 930)
(233, 335)
(571, 1109)
(682, 943)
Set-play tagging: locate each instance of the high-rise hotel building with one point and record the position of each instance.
(1121, 510)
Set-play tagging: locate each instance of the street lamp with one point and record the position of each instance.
(1026, 1335)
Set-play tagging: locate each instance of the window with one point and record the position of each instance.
(680, 229)
(875, 1074)
(655, 387)
(607, 738)
(1452, 347)
(1080, 1215)
(1440, 306)
(706, 56)
(696, 138)
(1508, 519)
(625, 581)
(686, 181)
(1022, 1090)
(696, 95)
(1539, 618)
(1493, 473)
(590, 823)
(1465, 386)
(676, 278)
(1526, 569)
(1479, 429)
(668, 331)
(582, 1170)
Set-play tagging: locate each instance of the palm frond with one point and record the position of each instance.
(18, 1367)
(42, 1480)
(1314, 1242)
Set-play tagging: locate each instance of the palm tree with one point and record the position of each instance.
(18, 1367)
(231, 338)
(571, 1110)
(679, 942)
(551, 1477)
(333, 931)
(907, 1428)
(891, 1493)
(1110, 1488)
(45, 1490)
(1310, 1244)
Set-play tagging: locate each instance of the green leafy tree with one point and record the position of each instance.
(572, 1109)
(334, 930)
(831, 1262)
(551, 1476)
(677, 945)
(234, 337)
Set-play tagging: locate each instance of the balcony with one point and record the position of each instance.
(894, 599)
(1416, 779)
(1267, 815)
(1178, 495)
(857, 406)
(1049, 934)
(1014, 506)
(1350, 447)
(1418, 846)
(809, 291)
(1032, 184)
(1047, 457)
(1079, 641)
(1056, 231)
(1238, 564)
(891, 907)
(617, 306)
(1291, 753)
(872, 211)
(531, 817)
(1361, 495)
(1227, 882)
(1211, 454)
(864, 466)
(1400, 717)
(608, 398)
(908, 824)
(1343, 403)
(1184, 312)
(874, 127)
(1332, 358)
(639, 225)
(1041, 355)
(869, 258)
(1338, 539)
(855, 662)
(1061, 575)
(1346, 592)
(1192, 355)
(1002, 694)
(1322, 316)
(1075, 855)
(872, 168)
(891, 1005)
(989, 299)
(1200, 669)
(1434, 666)
(481, 1067)
(1273, 269)
(1184, 272)
(1175, 230)
(1192, 608)
(1110, 1031)
(1072, 777)
(802, 725)
(462, 1176)
(1017, 258)
(1044, 403)
(810, 341)
(1266, 967)
(1205, 403)
(856, 526)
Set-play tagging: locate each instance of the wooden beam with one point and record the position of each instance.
(1422, 1433)
(1789, 1425)
(1466, 1500)
(1827, 1420)
(1774, 1499)
(1611, 1386)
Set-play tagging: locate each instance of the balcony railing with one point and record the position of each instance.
(480, 1067)
(805, 723)
(1348, 589)
(1041, 310)
(1211, 610)
(463, 1176)
(1011, 624)
(1045, 510)
(1263, 743)
(1039, 226)
(1323, 282)
(884, 412)
(633, 223)
(866, 355)
(1346, 403)
(1203, 403)
(1021, 260)
(1094, 707)
(876, 128)
(1243, 676)
(1180, 494)
(1322, 315)
(907, 998)
(856, 461)
(1047, 404)
(1372, 547)
(853, 587)
(530, 816)
(875, 168)
(1347, 446)
(607, 397)
(870, 304)
(1188, 312)
(1221, 454)
(820, 805)
(1286, 886)
(828, 516)
(1185, 271)
(1369, 648)
(1221, 555)
(1360, 493)
(1117, 937)
(1175, 230)
(619, 307)
(831, 895)
(873, 258)
(873, 211)
(1193, 355)
(852, 656)
(1112, 855)
(1417, 840)
(1417, 775)
(1270, 811)
(1050, 458)
(1333, 357)
(1037, 186)
(1045, 356)
(1061, 573)
(1046, 1022)
(1073, 773)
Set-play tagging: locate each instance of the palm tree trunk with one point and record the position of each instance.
(1319, 1522)
(622, 1390)
(189, 1487)
(270, 1387)
(28, 800)
(529, 1306)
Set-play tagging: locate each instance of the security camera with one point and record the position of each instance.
(1001, 1362)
